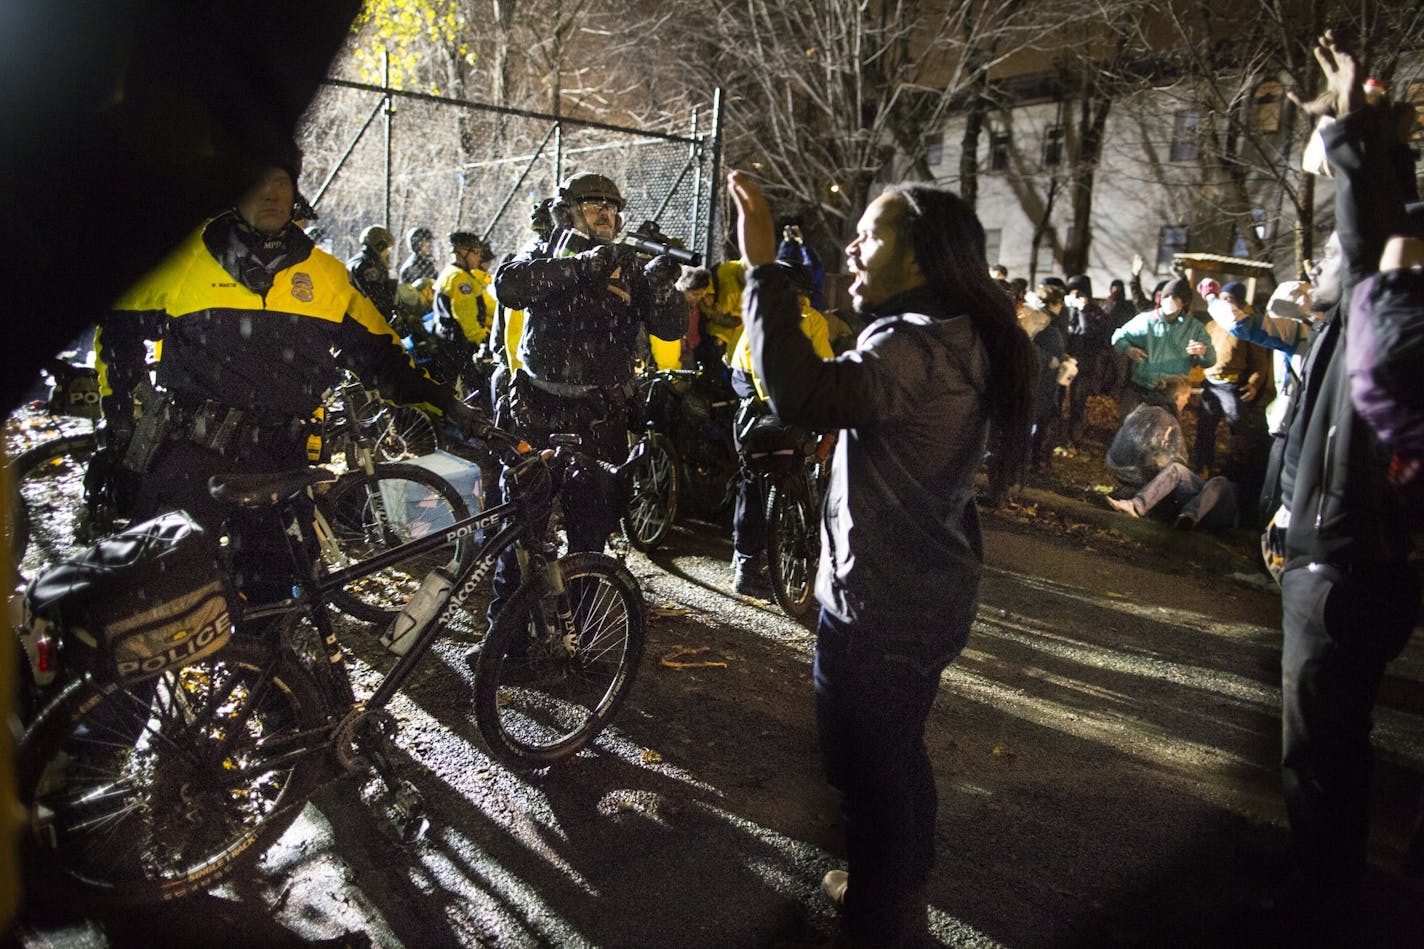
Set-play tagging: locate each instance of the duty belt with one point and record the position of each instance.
(212, 425)
(571, 390)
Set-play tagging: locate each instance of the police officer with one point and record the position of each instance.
(371, 269)
(256, 324)
(464, 309)
(584, 301)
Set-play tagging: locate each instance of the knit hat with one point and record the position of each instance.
(1236, 290)
(1082, 284)
(1178, 288)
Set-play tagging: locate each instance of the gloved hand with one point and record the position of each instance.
(471, 422)
(662, 271)
(1208, 288)
(597, 262)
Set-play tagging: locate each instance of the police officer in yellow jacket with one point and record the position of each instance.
(255, 324)
(464, 308)
(756, 423)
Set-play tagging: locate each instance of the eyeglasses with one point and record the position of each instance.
(599, 204)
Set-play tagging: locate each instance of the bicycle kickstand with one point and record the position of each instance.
(407, 803)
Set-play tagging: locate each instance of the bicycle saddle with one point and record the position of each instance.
(262, 490)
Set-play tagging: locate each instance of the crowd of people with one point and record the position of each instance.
(957, 371)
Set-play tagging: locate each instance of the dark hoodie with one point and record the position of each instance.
(901, 553)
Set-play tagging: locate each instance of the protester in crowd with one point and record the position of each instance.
(1165, 341)
(941, 372)
(1148, 457)
(1150, 438)
(370, 269)
(1088, 339)
(1350, 598)
(1038, 324)
(1236, 390)
(255, 324)
(584, 299)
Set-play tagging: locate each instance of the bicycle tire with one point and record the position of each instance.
(400, 432)
(793, 546)
(130, 793)
(536, 705)
(652, 501)
(37, 460)
(413, 502)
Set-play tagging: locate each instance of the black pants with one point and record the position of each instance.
(178, 480)
(591, 503)
(1341, 629)
(872, 703)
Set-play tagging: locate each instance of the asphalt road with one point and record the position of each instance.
(1105, 751)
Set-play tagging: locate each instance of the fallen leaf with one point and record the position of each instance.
(651, 757)
(675, 659)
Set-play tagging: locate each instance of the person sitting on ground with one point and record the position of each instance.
(1165, 341)
(1148, 454)
(1150, 438)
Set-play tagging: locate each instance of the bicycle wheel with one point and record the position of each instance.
(144, 793)
(539, 700)
(45, 480)
(793, 546)
(399, 432)
(652, 502)
(370, 514)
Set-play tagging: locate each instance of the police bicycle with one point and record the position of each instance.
(166, 762)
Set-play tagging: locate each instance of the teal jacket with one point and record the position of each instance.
(1165, 344)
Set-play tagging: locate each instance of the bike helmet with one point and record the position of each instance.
(377, 238)
(587, 187)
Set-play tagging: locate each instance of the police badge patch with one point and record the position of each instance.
(465, 288)
(302, 287)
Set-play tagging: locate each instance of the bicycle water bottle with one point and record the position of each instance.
(427, 602)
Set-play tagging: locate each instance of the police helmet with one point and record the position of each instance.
(377, 238)
(589, 187)
(416, 236)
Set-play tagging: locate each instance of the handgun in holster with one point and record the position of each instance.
(151, 429)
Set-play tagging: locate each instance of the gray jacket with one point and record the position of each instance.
(901, 552)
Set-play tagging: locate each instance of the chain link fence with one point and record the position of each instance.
(457, 165)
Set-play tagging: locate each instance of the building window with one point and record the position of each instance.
(1053, 146)
(1266, 107)
(1172, 241)
(934, 149)
(1184, 137)
(1044, 264)
(993, 237)
(999, 151)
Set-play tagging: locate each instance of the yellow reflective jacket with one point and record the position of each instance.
(269, 340)
(464, 296)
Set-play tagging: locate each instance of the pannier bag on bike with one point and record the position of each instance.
(139, 603)
(766, 442)
(75, 392)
